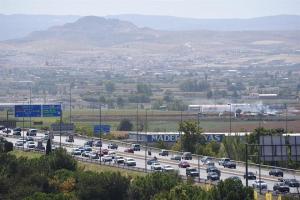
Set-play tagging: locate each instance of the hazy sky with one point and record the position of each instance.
(182, 8)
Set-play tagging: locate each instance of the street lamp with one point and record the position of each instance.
(229, 119)
(137, 122)
(100, 128)
(146, 131)
(286, 110)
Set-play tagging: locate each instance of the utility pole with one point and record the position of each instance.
(230, 121)
(60, 122)
(137, 122)
(246, 165)
(286, 126)
(180, 131)
(146, 130)
(100, 128)
(30, 107)
(70, 103)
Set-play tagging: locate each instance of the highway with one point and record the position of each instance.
(140, 157)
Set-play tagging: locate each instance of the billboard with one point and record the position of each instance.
(163, 137)
(294, 141)
(105, 129)
(273, 148)
(64, 127)
(51, 110)
(28, 110)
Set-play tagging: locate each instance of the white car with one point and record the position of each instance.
(119, 160)
(93, 155)
(156, 167)
(19, 143)
(76, 152)
(130, 162)
(112, 154)
(106, 158)
(260, 184)
(167, 168)
(30, 145)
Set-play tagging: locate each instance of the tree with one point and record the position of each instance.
(168, 96)
(125, 125)
(120, 102)
(48, 147)
(110, 87)
(192, 136)
(144, 89)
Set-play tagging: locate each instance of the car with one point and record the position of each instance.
(85, 153)
(53, 147)
(112, 154)
(18, 133)
(213, 169)
(129, 162)
(259, 184)
(163, 152)
(17, 129)
(151, 161)
(209, 163)
(187, 156)
(129, 150)
(292, 182)
(7, 131)
(76, 152)
(119, 160)
(31, 132)
(213, 176)
(88, 149)
(103, 152)
(183, 164)
(98, 143)
(93, 155)
(30, 145)
(89, 143)
(20, 143)
(281, 187)
(28, 138)
(276, 172)
(81, 149)
(112, 146)
(2, 127)
(176, 157)
(223, 160)
(156, 167)
(250, 176)
(167, 168)
(230, 164)
(205, 159)
(136, 147)
(191, 171)
(70, 138)
(106, 158)
(235, 178)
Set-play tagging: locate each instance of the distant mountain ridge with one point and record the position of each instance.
(268, 23)
(19, 26)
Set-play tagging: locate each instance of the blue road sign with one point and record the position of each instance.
(51, 110)
(105, 129)
(28, 110)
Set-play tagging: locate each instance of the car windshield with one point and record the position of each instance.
(130, 160)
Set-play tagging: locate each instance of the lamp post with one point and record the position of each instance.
(146, 131)
(30, 107)
(229, 119)
(100, 128)
(60, 122)
(180, 131)
(70, 103)
(286, 126)
(137, 122)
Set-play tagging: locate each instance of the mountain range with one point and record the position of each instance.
(18, 26)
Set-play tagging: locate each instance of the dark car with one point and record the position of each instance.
(213, 169)
(17, 129)
(276, 172)
(229, 164)
(89, 143)
(129, 150)
(251, 176)
(191, 171)
(183, 164)
(176, 157)
(70, 138)
(18, 133)
(213, 176)
(292, 183)
(151, 161)
(281, 187)
(98, 143)
(113, 146)
(163, 153)
(187, 156)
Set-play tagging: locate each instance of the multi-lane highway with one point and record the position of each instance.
(142, 156)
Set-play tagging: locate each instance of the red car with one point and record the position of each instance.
(183, 164)
(103, 152)
(129, 150)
